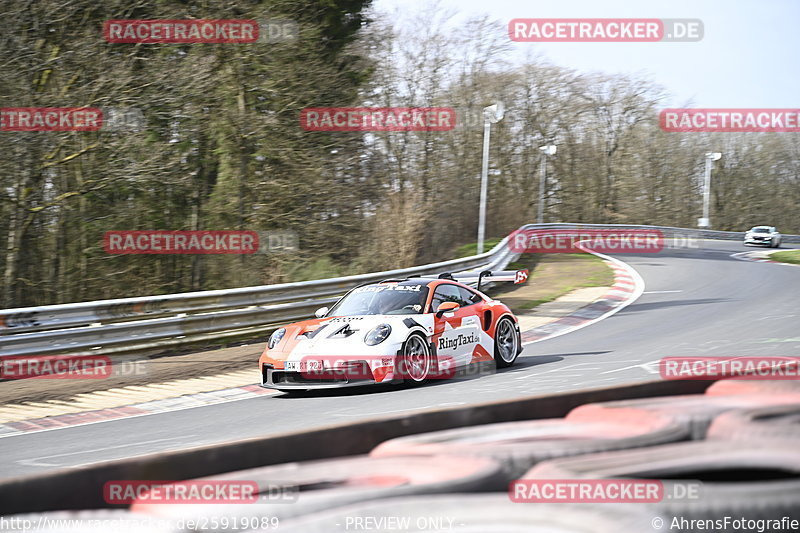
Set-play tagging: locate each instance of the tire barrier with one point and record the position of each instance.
(297, 489)
(82, 488)
(778, 422)
(474, 513)
(520, 445)
(754, 480)
(732, 473)
(100, 521)
(695, 411)
(753, 386)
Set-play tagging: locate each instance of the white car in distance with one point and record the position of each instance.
(764, 235)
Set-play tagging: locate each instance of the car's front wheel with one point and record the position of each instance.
(506, 343)
(415, 363)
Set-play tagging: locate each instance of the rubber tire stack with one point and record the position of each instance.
(694, 411)
(475, 513)
(755, 480)
(517, 446)
(322, 485)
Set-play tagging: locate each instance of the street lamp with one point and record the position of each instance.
(491, 115)
(548, 149)
(710, 157)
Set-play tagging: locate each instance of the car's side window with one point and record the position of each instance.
(470, 296)
(447, 292)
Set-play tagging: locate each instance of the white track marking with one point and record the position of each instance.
(659, 292)
(182, 408)
(35, 460)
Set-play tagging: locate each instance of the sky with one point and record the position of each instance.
(749, 56)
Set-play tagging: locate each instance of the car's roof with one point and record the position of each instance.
(414, 281)
(426, 281)
(765, 227)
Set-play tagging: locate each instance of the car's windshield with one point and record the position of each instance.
(382, 299)
(760, 230)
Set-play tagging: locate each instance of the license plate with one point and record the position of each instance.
(302, 366)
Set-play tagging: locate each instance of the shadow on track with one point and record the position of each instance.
(639, 307)
(474, 371)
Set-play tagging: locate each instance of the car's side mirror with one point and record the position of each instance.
(446, 307)
(321, 312)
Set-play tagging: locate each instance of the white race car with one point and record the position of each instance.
(396, 330)
(763, 235)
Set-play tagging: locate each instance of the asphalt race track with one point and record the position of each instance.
(697, 302)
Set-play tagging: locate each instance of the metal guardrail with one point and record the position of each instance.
(154, 323)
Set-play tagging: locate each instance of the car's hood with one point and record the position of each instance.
(358, 326)
(336, 336)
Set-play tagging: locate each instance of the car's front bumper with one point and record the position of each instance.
(280, 379)
(767, 241)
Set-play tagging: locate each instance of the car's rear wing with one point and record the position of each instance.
(516, 276)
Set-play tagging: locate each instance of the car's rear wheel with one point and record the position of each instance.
(506, 343)
(416, 363)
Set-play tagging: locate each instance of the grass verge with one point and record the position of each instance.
(789, 256)
(553, 276)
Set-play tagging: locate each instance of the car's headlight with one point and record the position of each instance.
(378, 334)
(276, 337)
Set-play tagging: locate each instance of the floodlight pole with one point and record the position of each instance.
(710, 158)
(491, 114)
(548, 149)
(487, 126)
